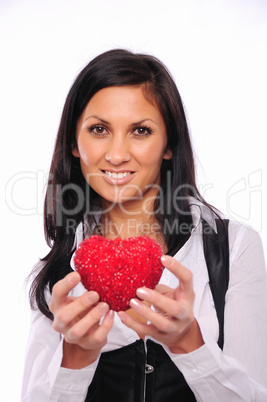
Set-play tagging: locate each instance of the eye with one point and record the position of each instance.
(98, 130)
(141, 131)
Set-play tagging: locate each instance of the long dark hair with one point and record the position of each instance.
(65, 201)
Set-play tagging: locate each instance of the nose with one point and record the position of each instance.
(118, 151)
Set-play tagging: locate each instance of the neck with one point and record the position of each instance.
(123, 225)
(131, 219)
(129, 228)
(117, 223)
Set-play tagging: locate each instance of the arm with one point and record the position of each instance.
(50, 374)
(239, 372)
(78, 320)
(44, 379)
(172, 322)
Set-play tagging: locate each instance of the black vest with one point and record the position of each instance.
(133, 374)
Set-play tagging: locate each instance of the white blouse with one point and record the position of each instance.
(239, 373)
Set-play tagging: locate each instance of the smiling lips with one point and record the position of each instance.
(114, 175)
(117, 177)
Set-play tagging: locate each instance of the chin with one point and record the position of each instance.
(122, 200)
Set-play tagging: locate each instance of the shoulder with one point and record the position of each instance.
(239, 232)
(243, 236)
(245, 244)
(247, 261)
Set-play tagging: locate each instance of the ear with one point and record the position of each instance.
(75, 152)
(168, 154)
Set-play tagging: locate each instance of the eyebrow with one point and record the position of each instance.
(133, 124)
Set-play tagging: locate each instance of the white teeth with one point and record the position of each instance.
(117, 175)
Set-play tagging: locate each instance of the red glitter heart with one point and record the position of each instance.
(116, 268)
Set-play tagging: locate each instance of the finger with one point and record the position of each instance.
(106, 325)
(177, 307)
(163, 289)
(62, 288)
(72, 311)
(97, 336)
(161, 302)
(85, 324)
(140, 328)
(162, 323)
(184, 274)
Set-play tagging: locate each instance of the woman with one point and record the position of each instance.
(123, 166)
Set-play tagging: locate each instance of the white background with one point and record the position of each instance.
(216, 51)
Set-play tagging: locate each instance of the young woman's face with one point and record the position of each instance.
(121, 141)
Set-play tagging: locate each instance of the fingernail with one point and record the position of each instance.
(110, 315)
(102, 308)
(163, 259)
(73, 278)
(122, 315)
(167, 259)
(135, 303)
(143, 293)
(92, 297)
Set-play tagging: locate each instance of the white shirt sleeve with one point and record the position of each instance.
(239, 373)
(44, 378)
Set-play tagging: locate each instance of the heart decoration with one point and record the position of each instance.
(115, 269)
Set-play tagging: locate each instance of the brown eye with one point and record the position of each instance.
(142, 131)
(98, 130)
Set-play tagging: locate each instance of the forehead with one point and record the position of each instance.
(131, 99)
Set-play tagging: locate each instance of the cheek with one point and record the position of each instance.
(151, 156)
(88, 154)
(85, 158)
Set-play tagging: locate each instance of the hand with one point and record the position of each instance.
(78, 319)
(172, 321)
